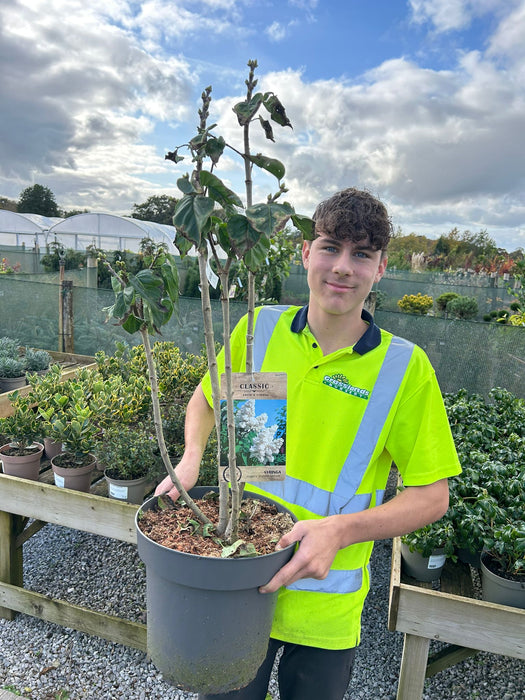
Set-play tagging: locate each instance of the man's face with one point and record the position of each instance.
(341, 273)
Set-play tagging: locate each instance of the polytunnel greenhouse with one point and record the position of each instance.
(24, 229)
(105, 231)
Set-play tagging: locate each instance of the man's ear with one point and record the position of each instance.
(306, 253)
(382, 267)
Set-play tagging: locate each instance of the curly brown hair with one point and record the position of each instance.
(354, 214)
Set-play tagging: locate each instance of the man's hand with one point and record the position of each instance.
(319, 542)
(166, 486)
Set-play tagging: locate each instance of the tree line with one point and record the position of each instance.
(466, 250)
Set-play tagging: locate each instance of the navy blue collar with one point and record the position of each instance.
(370, 339)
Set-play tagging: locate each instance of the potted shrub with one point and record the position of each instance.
(37, 361)
(21, 456)
(12, 366)
(129, 459)
(73, 426)
(9, 346)
(425, 550)
(203, 644)
(44, 388)
(488, 501)
(503, 565)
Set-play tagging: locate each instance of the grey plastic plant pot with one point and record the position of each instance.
(129, 490)
(208, 625)
(421, 568)
(497, 589)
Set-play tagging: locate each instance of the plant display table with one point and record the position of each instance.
(20, 500)
(450, 615)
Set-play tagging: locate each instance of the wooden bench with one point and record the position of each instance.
(451, 615)
(42, 502)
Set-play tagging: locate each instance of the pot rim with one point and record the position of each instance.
(216, 559)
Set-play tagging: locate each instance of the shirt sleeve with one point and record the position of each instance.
(420, 439)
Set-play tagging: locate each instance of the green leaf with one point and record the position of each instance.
(247, 550)
(184, 185)
(220, 229)
(231, 549)
(305, 225)
(246, 110)
(276, 109)
(174, 156)
(132, 324)
(242, 235)
(163, 503)
(191, 216)
(182, 244)
(272, 165)
(269, 217)
(170, 277)
(268, 131)
(214, 148)
(121, 307)
(115, 284)
(255, 257)
(218, 191)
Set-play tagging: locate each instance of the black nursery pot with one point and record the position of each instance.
(208, 625)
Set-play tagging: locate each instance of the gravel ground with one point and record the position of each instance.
(43, 661)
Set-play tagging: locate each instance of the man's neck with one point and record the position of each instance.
(334, 332)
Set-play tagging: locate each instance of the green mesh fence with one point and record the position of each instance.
(466, 354)
(491, 294)
(29, 312)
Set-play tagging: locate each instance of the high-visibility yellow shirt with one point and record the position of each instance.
(350, 414)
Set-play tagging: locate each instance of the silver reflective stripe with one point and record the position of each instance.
(337, 581)
(311, 497)
(264, 326)
(374, 418)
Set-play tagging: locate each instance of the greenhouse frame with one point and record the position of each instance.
(104, 231)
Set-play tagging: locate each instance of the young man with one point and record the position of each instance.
(358, 400)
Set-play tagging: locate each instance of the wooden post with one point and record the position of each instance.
(10, 557)
(413, 667)
(68, 341)
(91, 272)
(61, 268)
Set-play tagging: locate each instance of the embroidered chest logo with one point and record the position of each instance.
(341, 383)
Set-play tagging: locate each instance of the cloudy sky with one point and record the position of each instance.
(420, 101)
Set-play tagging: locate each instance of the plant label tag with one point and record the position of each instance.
(259, 416)
(119, 492)
(59, 481)
(211, 276)
(436, 561)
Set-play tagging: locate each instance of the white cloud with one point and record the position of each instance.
(276, 31)
(79, 91)
(449, 15)
(91, 103)
(508, 39)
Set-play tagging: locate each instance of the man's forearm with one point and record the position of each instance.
(409, 510)
(197, 427)
(198, 424)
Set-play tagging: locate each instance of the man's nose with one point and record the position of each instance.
(343, 264)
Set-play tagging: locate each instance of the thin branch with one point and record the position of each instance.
(157, 419)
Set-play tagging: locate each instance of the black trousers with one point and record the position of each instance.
(305, 673)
